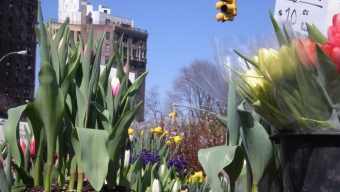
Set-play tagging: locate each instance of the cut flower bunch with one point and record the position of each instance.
(297, 86)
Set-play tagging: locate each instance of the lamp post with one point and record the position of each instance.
(16, 52)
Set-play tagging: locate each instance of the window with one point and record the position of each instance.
(28, 36)
(27, 78)
(107, 35)
(18, 63)
(107, 21)
(10, 17)
(107, 47)
(7, 75)
(20, 5)
(17, 77)
(134, 41)
(19, 47)
(19, 19)
(117, 36)
(125, 51)
(29, 50)
(134, 53)
(28, 64)
(26, 92)
(10, 1)
(106, 59)
(16, 91)
(141, 43)
(0, 29)
(29, 8)
(72, 34)
(9, 31)
(29, 22)
(78, 35)
(8, 59)
(6, 90)
(15, 104)
(125, 39)
(105, 11)
(19, 34)
(8, 46)
(0, 14)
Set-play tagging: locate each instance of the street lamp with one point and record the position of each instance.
(16, 52)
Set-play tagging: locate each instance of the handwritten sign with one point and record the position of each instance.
(298, 12)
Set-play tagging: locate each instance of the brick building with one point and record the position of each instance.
(17, 72)
(81, 21)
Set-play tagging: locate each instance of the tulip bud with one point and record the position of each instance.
(333, 51)
(32, 147)
(115, 85)
(168, 142)
(127, 159)
(60, 43)
(336, 19)
(22, 145)
(175, 187)
(126, 68)
(305, 51)
(92, 54)
(268, 61)
(130, 131)
(287, 62)
(161, 170)
(156, 186)
(2, 163)
(177, 139)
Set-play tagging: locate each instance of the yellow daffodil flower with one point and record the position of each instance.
(158, 130)
(177, 139)
(130, 131)
(168, 142)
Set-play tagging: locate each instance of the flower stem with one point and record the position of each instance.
(47, 182)
(72, 173)
(254, 188)
(80, 179)
(37, 171)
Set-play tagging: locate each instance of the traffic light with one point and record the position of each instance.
(228, 10)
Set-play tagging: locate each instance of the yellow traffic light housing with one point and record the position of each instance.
(228, 10)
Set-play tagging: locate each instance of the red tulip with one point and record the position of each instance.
(333, 51)
(334, 34)
(115, 85)
(336, 19)
(32, 147)
(308, 48)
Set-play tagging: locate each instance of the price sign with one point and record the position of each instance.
(298, 12)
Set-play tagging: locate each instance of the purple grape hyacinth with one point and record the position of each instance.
(148, 157)
(180, 165)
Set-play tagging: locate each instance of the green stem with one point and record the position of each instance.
(80, 179)
(47, 182)
(254, 188)
(37, 171)
(72, 173)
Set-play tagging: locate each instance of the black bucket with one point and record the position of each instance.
(310, 161)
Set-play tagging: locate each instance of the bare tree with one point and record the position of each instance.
(186, 92)
(152, 103)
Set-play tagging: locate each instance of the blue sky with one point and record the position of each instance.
(179, 31)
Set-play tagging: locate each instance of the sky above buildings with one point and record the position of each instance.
(180, 31)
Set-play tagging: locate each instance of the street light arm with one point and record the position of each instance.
(17, 52)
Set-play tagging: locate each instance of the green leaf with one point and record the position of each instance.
(280, 37)
(49, 106)
(26, 178)
(257, 144)
(104, 116)
(94, 155)
(4, 184)
(43, 47)
(233, 122)
(214, 159)
(316, 35)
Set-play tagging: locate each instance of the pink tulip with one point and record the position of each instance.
(333, 51)
(309, 51)
(2, 163)
(92, 54)
(32, 147)
(126, 67)
(115, 85)
(22, 145)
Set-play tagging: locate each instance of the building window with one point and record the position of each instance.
(15, 104)
(7, 75)
(0, 14)
(117, 36)
(8, 46)
(125, 51)
(134, 53)
(18, 63)
(9, 31)
(107, 35)
(26, 92)
(72, 34)
(141, 43)
(8, 59)
(29, 50)
(16, 91)
(134, 41)
(27, 78)
(28, 64)
(6, 90)
(10, 1)
(10, 17)
(29, 22)
(105, 11)
(19, 34)
(125, 39)
(20, 5)
(107, 21)
(0, 29)
(29, 8)
(107, 47)
(19, 47)
(17, 77)
(106, 59)
(19, 19)
(78, 35)
(28, 36)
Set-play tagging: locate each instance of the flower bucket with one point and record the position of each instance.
(310, 160)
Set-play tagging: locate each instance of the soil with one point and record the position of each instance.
(86, 188)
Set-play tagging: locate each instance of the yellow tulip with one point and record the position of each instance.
(166, 133)
(177, 139)
(158, 130)
(199, 176)
(287, 62)
(142, 132)
(269, 64)
(130, 131)
(168, 142)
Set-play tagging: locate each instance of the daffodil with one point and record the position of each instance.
(199, 176)
(158, 130)
(177, 139)
(168, 142)
(166, 133)
(130, 131)
(142, 132)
